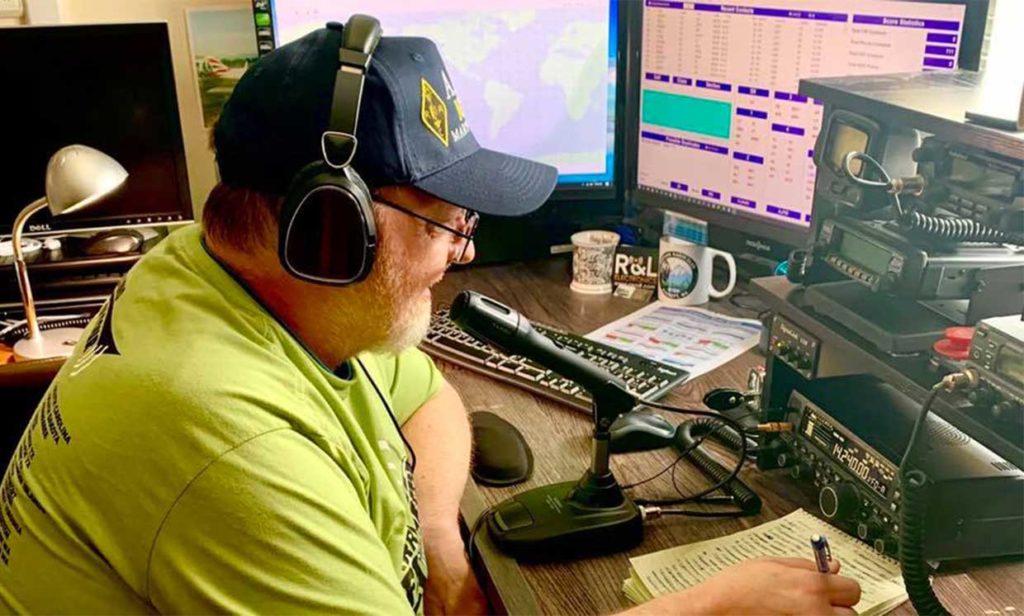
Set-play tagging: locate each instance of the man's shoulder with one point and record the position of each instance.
(176, 319)
(172, 339)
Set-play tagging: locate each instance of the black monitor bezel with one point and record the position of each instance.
(610, 195)
(734, 220)
(185, 212)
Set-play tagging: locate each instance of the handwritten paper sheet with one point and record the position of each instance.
(679, 568)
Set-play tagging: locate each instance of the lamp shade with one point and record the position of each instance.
(78, 176)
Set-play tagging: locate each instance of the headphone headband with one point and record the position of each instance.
(359, 39)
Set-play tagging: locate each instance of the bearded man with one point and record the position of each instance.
(234, 436)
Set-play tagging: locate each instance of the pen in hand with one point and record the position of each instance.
(822, 555)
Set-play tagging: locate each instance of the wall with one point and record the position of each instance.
(1006, 45)
(201, 168)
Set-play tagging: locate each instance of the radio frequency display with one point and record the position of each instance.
(869, 467)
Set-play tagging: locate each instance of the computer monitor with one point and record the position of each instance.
(536, 78)
(106, 86)
(723, 133)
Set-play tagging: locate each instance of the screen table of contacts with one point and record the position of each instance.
(721, 119)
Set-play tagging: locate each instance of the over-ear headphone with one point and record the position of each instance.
(327, 234)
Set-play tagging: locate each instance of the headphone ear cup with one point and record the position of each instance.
(327, 234)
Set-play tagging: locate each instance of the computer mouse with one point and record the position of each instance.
(113, 242)
(640, 431)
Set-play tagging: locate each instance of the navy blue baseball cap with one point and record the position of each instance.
(412, 129)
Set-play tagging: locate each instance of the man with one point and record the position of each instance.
(230, 438)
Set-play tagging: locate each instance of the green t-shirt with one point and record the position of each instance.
(192, 456)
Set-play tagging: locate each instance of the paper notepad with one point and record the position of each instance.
(663, 572)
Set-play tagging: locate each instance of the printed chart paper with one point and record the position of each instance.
(694, 339)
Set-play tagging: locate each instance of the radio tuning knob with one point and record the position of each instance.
(838, 501)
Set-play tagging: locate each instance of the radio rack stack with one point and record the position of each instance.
(851, 387)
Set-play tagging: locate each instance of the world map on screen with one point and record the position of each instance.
(536, 79)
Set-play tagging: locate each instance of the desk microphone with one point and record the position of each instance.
(512, 333)
(575, 518)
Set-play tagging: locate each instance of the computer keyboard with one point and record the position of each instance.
(647, 379)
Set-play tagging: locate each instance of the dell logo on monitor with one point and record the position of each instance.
(43, 226)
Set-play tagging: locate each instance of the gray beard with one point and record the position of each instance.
(407, 330)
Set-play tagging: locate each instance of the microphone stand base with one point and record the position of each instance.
(549, 524)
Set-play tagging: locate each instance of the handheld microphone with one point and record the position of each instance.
(572, 518)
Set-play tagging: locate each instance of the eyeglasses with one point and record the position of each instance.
(461, 236)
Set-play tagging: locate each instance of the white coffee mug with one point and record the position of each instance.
(593, 254)
(684, 272)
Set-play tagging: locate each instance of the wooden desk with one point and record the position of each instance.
(560, 439)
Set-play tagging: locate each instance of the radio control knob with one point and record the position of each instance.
(869, 531)
(839, 501)
(1004, 409)
(802, 470)
(981, 396)
(880, 546)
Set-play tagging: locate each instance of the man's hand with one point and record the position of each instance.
(451, 585)
(764, 586)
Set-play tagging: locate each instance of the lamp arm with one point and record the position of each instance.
(22, 269)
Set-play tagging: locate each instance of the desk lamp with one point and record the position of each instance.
(77, 176)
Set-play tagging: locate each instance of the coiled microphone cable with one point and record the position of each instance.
(914, 483)
(936, 227)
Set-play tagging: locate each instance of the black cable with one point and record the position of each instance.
(861, 156)
(853, 177)
(913, 566)
(735, 513)
(955, 229)
(746, 499)
(915, 433)
(391, 414)
(741, 458)
(668, 468)
(688, 512)
(478, 524)
(914, 484)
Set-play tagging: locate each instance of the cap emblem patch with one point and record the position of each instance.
(433, 112)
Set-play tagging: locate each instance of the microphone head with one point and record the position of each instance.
(458, 309)
(487, 319)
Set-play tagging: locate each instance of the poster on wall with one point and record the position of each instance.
(223, 46)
